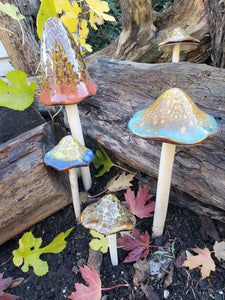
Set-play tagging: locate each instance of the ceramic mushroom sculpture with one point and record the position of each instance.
(108, 217)
(177, 41)
(70, 154)
(65, 79)
(173, 119)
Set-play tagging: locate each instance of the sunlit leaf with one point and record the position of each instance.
(120, 182)
(19, 95)
(29, 252)
(100, 242)
(46, 11)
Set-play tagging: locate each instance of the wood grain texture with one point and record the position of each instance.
(29, 191)
(127, 87)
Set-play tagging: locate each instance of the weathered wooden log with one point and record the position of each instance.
(29, 191)
(126, 87)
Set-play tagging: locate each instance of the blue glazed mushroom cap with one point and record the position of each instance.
(173, 118)
(69, 153)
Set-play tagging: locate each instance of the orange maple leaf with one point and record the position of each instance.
(93, 290)
(203, 259)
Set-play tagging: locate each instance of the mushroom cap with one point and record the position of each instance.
(178, 36)
(65, 79)
(173, 118)
(69, 153)
(107, 216)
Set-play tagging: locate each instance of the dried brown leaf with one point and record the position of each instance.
(120, 182)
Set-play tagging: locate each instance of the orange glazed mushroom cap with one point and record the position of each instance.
(178, 36)
(107, 216)
(173, 118)
(65, 79)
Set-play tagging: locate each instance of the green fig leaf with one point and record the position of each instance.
(11, 10)
(19, 95)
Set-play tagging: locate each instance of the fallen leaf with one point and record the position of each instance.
(137, 243)
(219, 249)
(95, 259)
(120, 182)
(138, 206)
(5, 284)
(90, 292)
(100, 242)
(169, 277)
(208, 228)
(29, 251)
(149, 292)
(142, 271)
(202, 259)
(101, 158)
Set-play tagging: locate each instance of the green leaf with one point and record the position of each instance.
(102, 159)
(29, 252)
(47, 10)
(19, 95)
(12, 11)
(100, 243)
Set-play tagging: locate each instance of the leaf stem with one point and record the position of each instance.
(6, 30)
(124, 169)
(93, 196)
(22, 33)
(113, 287)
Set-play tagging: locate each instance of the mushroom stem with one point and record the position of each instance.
(75, 192)
(176, 53)
(163, 188)
(113, 249)
(76, 131)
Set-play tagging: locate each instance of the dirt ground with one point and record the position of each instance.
(184, 230)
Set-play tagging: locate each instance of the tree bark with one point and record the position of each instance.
(29, 190)
(141, 35)
(127, 87)
(216, 19)
(25, 58)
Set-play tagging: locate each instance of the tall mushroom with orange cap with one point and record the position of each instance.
(65, 79)
(178, 40)
(68, 155)
(173, 119)
(108, 217)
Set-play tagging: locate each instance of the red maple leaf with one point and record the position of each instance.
(138, 206)
(4, 284)
(93, 290)
(137, 243)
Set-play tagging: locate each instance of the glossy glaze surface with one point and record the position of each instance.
(107, 216)
(69, 153)
(173, 118)
(65, 79)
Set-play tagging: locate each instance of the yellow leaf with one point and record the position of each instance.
(85, 45)
(84, 31)
(100, 243)
(61, 5)
(69, 20)
(92, 19)
(202, 259)
(100, 7)
(119, 183)
(46, 11)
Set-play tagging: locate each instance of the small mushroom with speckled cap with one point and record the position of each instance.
(173, 119)
(65, 79)
(67, 155)
(178, 40)
(108, 216)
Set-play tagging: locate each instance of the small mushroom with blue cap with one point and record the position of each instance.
(173, 119)
(107, 217)
(178, 40)
(68, 155)
(65, 79)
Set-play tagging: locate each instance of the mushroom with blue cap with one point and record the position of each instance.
(67, 155)
(173, 119)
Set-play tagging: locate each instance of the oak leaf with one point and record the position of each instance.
(90, 292)
(5, 284)
(120, 182)
(203, 259)
(138, 206)
(219, 249)
(137, 243)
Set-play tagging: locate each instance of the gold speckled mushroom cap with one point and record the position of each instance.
(173, 118)
(178, 36)
(107, 216)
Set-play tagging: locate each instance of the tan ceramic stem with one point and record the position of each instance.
(163, 188)
(75, 192)
(176, 53)
(76, 131)
(113, 249)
